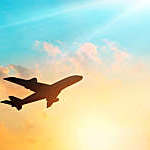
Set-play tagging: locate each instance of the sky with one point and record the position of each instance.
(105, 41)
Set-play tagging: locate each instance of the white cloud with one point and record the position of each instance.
(88, 51)
(51, 49)
(48, 47)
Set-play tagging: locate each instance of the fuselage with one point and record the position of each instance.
(50, 91)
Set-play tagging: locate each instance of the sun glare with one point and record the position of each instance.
(96, 135)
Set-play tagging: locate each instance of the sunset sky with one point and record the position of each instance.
(105, 41)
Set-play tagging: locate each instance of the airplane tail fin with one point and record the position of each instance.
(15, 102)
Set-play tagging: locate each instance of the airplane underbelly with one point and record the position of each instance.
(52, 93)
(32, 98)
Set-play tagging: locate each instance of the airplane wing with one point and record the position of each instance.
(31, 84)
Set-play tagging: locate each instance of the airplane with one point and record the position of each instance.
(42, 90)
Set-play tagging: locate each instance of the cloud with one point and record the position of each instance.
(21, 71)
(105, 58)
(7, 88)
(82, 57)
(88, 51)
(120, 54)
(48, 47)
(3, 71)
(51, 49)
(16, 70)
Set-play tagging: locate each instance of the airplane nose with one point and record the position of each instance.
(80, 77)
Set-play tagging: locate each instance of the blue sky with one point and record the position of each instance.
(23, 22)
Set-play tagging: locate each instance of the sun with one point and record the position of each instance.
(97, 134)
(141, 5)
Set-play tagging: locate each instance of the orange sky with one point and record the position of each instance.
(107, 110)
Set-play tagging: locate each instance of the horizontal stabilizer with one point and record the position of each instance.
(14, 102)
(6, 102)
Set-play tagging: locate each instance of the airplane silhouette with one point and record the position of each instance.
(42, 90)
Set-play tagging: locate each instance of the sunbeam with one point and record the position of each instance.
(130, 10)
(55, 12)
